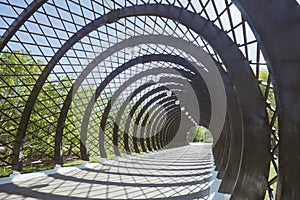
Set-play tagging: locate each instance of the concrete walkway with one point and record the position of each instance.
(179, 173)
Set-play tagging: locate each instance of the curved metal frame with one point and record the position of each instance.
(103, 121)
(139, 60)
(173, 114)
(168, 105)
(141, 112)
(14, 27)
(158, 123)
(218, 41)
(279, 48)
(277, 33)
(163, 103)
(109, 18)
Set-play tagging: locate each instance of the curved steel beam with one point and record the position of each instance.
(138, 119)
(160, 123)
(105, 117)
(218, 150)
(238, 67)
(172, 127)
(113, 16)
(106, 112)
(123, 106)
(63, 115)
(154, 112)
(126, 139)
(139, 60)
(225, 146)
(19, 21)
(135, 107)
(236, 138)
(173, 110)
(276, 26)
(120, 114)
(122, 109)
(111, 102)
(139, 116)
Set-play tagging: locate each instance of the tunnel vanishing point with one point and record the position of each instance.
(93, 80)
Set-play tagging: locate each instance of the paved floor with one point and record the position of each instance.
(179, 173)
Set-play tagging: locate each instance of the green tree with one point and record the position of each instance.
(19, 72)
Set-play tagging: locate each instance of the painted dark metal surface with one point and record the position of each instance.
(282, 54)
(137, 104)
(277, 29)
(169, 129)
(135, 136)
(137, 120)
(153, 112)
(218, 150)
(162, 128)
(100, 88)
(120, 114)
(163, 134)
(172, 127)
(157, 119)
(107, 109)
(105, 117)
(225, 150)
(236, 137)
(150, 9)
(123, 106)
(21, 19)
(161, 123)
(135, 141)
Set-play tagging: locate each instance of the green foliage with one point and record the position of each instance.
(18, 74)
(199, 134)
(263, 76)
(15, 70)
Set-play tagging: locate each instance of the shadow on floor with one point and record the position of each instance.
(138, 177)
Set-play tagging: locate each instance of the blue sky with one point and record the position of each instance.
(88, 16)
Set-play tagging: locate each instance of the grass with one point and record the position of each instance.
(37, 168)
(6, 171)
(72, 163)
(272, 174)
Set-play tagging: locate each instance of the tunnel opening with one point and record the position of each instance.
(119, 89)
(199, 134)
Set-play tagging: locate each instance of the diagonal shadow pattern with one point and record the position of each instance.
(188, 176)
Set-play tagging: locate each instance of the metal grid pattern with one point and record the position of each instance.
(43, 34)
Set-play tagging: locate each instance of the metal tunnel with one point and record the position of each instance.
(92, 80)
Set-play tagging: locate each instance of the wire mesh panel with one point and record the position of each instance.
(55, 54)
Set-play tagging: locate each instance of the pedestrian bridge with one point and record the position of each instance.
(111, 99)
(179, 173)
